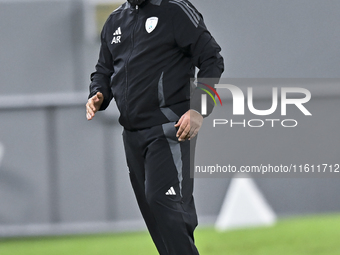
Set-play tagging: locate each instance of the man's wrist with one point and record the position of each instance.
(196, 111)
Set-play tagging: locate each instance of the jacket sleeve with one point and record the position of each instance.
(195, 40)
(100, 79)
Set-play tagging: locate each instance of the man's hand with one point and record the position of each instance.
(93, 105)
(189, 125)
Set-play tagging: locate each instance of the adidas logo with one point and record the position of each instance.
(117, 36)
(171, 192)
(118, 32)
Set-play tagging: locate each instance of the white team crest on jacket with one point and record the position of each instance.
(151, 24)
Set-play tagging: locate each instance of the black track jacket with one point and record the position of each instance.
(148, 55)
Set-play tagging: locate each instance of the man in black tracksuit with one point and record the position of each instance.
(149, 51)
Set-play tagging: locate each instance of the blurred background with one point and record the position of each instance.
(60, 174)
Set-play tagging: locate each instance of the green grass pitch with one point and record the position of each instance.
(317, 235)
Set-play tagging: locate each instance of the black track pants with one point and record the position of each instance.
(159, 168)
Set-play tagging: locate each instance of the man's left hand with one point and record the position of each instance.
(189, 125)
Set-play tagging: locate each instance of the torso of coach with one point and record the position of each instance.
(148, 55)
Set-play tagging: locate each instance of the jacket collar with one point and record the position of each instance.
(154, 2)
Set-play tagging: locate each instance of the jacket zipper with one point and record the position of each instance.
(126, 68)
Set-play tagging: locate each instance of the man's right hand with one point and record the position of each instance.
(93, 105)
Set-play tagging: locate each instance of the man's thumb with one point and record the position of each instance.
(99, 95)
